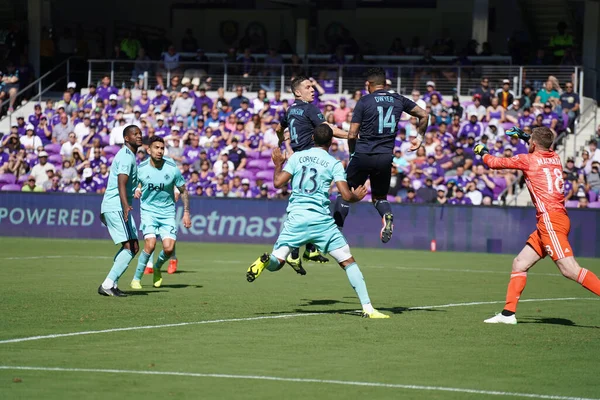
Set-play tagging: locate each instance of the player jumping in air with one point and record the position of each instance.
(301, 119)
(116, 207)
(542, 168)
(308, 219)
(371, 142)
(159, 177)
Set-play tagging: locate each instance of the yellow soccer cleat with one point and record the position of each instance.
(314, 256)
(296, 264)
(374, 314)
(257, 267)
(135, 284)
(157, 278)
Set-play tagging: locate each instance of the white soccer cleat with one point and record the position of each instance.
(502, 319)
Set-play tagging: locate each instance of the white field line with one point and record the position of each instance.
(475, 271)
(298, 380)
(216, 321)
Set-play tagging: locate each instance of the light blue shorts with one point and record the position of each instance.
(299, 230)
(119, 230)
(156, 225)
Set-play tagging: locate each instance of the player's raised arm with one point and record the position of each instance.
(280, 130)
(185, 199)
(338, 133)
(280, 177)
(519, 162)
(421, 127)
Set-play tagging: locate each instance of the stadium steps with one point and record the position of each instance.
(25, 110)
(574, 144)
(544, 18)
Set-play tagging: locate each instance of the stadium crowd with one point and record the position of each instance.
(223, 144)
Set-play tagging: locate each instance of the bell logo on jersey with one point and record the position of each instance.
(157, 188)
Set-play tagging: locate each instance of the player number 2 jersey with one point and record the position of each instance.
(312, 172)
(378, 114)
(543, 175)
(123, 163)
(158, 187)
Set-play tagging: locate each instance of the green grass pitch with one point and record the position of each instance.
(432, 341)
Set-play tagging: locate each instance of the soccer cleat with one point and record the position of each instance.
(388, 227)
(257, 267)
(135, 284)
(157, 278)
(172, 267)
(148, 271)
(502, 319)
(114, 292)
(315, 256)
(374, 314)
(296, 263)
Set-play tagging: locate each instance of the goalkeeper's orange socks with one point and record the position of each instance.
(517, 283)
(589, 280)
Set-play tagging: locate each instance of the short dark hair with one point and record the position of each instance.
(376, 76)
(155, 139)
(297, 81)
(543, 137)
(128, 129)
(323, 135)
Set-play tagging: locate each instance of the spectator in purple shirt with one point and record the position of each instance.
(461, 179)
(185, 169)
(518, 146)
(97, 160)
(161, 102)
(192, 151)
(112, 107)
(526, 119)
(105, 89)
(245, 191)
(460, 198)
(431, 91)
(194, 182)
(206, 176)
(243, 113)
(88, 101)
(34, 119)
(44, 131)
(202, 98)
(102, 178)
(549, 118)
(87, 181)
(411, 197)
(471, 126)
(143, 102)
(161, 129)
(432, 170)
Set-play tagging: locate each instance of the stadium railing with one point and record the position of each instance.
(339, 79)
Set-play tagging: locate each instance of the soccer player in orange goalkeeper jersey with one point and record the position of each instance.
(542, 168)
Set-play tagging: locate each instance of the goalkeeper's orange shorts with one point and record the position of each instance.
(551, 236)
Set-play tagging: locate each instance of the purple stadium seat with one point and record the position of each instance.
(572, 203)
(500, 186)
(110, 159)
(265, 154)
(111, 150)
(595, 204)
(52, 148)
(565, 118)
(8, 179)
(593, 196)
(265, 175)
(11, 188)
(22, 179)
(245, 174)
(257, 164)
(391, 198)
(55, 159)
(271, 164)
(253, 155)
(507, 125)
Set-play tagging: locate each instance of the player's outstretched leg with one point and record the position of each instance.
(294, 259)
(143, 259)
(268, 261)
(518, 279)
(355, 276)
(121, 262)
(164, 255)
(312, 254)
(340, 211)
(149, 264)
(569, 267)
(387, 218)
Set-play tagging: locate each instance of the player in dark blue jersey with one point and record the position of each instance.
(371, 142)
(300, 121)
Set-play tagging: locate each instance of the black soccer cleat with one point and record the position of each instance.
(388, 227)
(114, 292)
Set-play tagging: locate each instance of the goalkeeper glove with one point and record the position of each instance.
(481, 149)
(514, 131)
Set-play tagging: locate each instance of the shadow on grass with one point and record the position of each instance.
(143, 292)
(553, 321)
(181, 286)
(354, 310)
(183, 271)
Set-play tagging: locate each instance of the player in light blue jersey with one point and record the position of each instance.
(116, 208)
(308, 216)
(158, 177)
